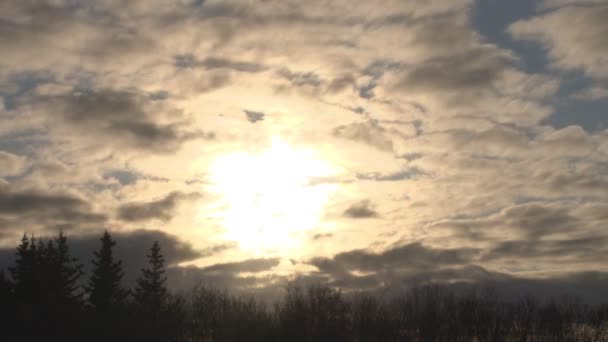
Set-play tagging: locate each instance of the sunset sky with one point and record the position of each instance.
(369, 144)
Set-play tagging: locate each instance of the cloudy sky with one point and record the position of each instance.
(365, 143)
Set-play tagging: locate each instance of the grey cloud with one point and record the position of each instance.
(472, 70)
(408, 173)
(412, 262)
(322, 236)
(161, 209)
(27, 209)
(190, 61)
(311, 83)
(263, 287)
(574, 249)
(300, 79)
(533, 220)
(369, 132)
(586, 180)
(341, 83)
(415, 264)
(411, 256)
(228, 276)
(537, 220)
(254, 116)
(217, 249)
(32, 201)
(361, 210)
(367, 91)
(412, 156)
(376, 71)
(103, 41)
(125, 177)
(251, 265)
(122, 117)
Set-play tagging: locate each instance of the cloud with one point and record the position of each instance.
(251, 265)
(366, 269)
(300, 79)
(161, 209)
(585, 248)
(238, 276)
(470, 70)
(119, 119)
(34, 210)
(189, 61)
(254, 116)
(369, 132)
(537, 220)
(123, 117)
(392, 270)
(322, 236)
(571, 47)
(411, 256)
(12, 164)
(532, 220)
(408, 173)
(217, 249)
(361, 210)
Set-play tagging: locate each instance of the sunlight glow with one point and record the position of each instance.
(269, 199)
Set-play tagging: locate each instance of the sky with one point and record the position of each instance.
(366, 144)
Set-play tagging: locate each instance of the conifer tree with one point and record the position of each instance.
(105, 291)
(24, 272)
(65, 271)
(150, 293)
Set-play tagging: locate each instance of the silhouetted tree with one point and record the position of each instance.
(318, 314)
(105, 290)
(41, 301)
(150, 297)
(150, 292)
(65, 271)
(216, 315)
(63, 299)
(107, 297)
(45, 280)
(24, 273)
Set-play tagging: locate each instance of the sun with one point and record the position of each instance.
(270, 199)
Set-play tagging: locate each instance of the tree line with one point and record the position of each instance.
(43, 297)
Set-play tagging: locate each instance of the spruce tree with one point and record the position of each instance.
(106, 294)
(24, 273)
(150, 293)
(65, 271)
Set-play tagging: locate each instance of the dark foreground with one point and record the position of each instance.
(45, 298)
